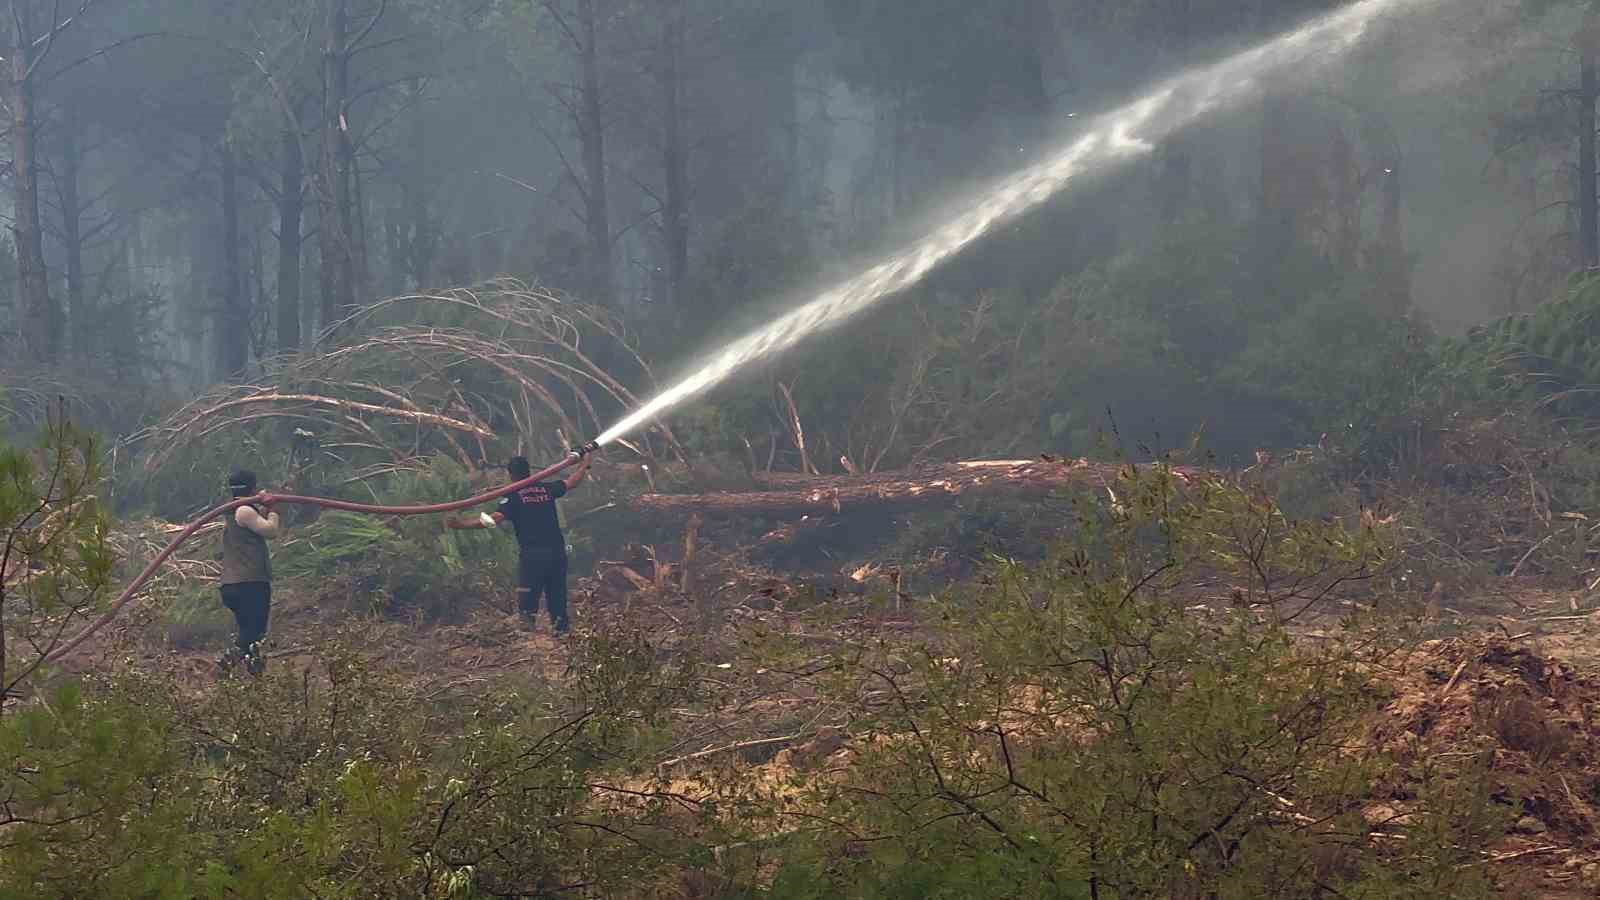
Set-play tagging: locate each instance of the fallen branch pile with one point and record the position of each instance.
(517, 364)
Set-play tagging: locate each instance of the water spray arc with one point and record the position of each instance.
(1110, 139)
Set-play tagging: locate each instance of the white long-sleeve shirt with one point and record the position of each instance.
(247, 517)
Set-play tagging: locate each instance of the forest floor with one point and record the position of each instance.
(1513, 671)
(1519, 679)
(1506, 670)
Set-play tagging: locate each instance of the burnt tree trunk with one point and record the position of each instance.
(336, 240)
(675, 206)
(291, 206)
(41, 317)
(233, 333)
(591, 134)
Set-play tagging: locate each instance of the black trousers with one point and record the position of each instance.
(250, 602)
(543, 571)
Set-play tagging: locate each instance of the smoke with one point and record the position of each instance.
(1109, 140)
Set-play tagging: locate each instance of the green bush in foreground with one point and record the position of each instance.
(1073, 730)
(339, 782)
(55, 561)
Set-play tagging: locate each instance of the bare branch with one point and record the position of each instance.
(352, 46)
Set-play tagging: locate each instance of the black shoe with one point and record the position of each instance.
(254, 662)
(232, 657)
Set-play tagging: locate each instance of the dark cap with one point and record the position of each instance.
(518, 467)
(242, 483)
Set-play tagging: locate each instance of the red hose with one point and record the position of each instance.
(296, 500)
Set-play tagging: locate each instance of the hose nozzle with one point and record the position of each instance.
(588, 448)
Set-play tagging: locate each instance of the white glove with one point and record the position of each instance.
(486, 519)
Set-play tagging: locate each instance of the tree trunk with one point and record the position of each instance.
(1277, 164)
(1276, 226)
(1344, 171)
(41, 317)
(1396, 274)
(79, 316)
(360, 273)
(1588, 215)
(233, 336)
(1037, 36)
(420, 245)
(1177, 157)
(261, 343)
(591, 133)
(899, 140)
(291, 204)
(337, 242)
(675, 211)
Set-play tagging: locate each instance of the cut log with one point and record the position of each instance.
(800, 480)
(797, 495)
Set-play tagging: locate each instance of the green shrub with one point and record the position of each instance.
(98, 802)
(403, 564)
(196, 619)
(1108, 721)
(55, 560)
(338, 781)
(1072, 730)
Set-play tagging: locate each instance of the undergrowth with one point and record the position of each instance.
(1107, 721)
(1079, 728)
(404, 565)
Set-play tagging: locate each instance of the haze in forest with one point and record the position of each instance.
(799, 448)
(200, 188)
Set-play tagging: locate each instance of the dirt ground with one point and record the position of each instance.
(1514, 677)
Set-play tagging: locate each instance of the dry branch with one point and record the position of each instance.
(1456, 675)
(738, 747)
(353, 405)
(517, 359)
(528, 321)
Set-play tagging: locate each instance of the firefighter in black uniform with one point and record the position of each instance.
(542, 549)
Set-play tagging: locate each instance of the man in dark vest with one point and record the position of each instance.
(247, 573)
(541, 547)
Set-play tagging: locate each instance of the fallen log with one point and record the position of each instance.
(833, 494)
(801, 480)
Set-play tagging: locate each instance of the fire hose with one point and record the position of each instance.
(264, 498)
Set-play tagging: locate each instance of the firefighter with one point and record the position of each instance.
(247, 572)
(542, 549)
